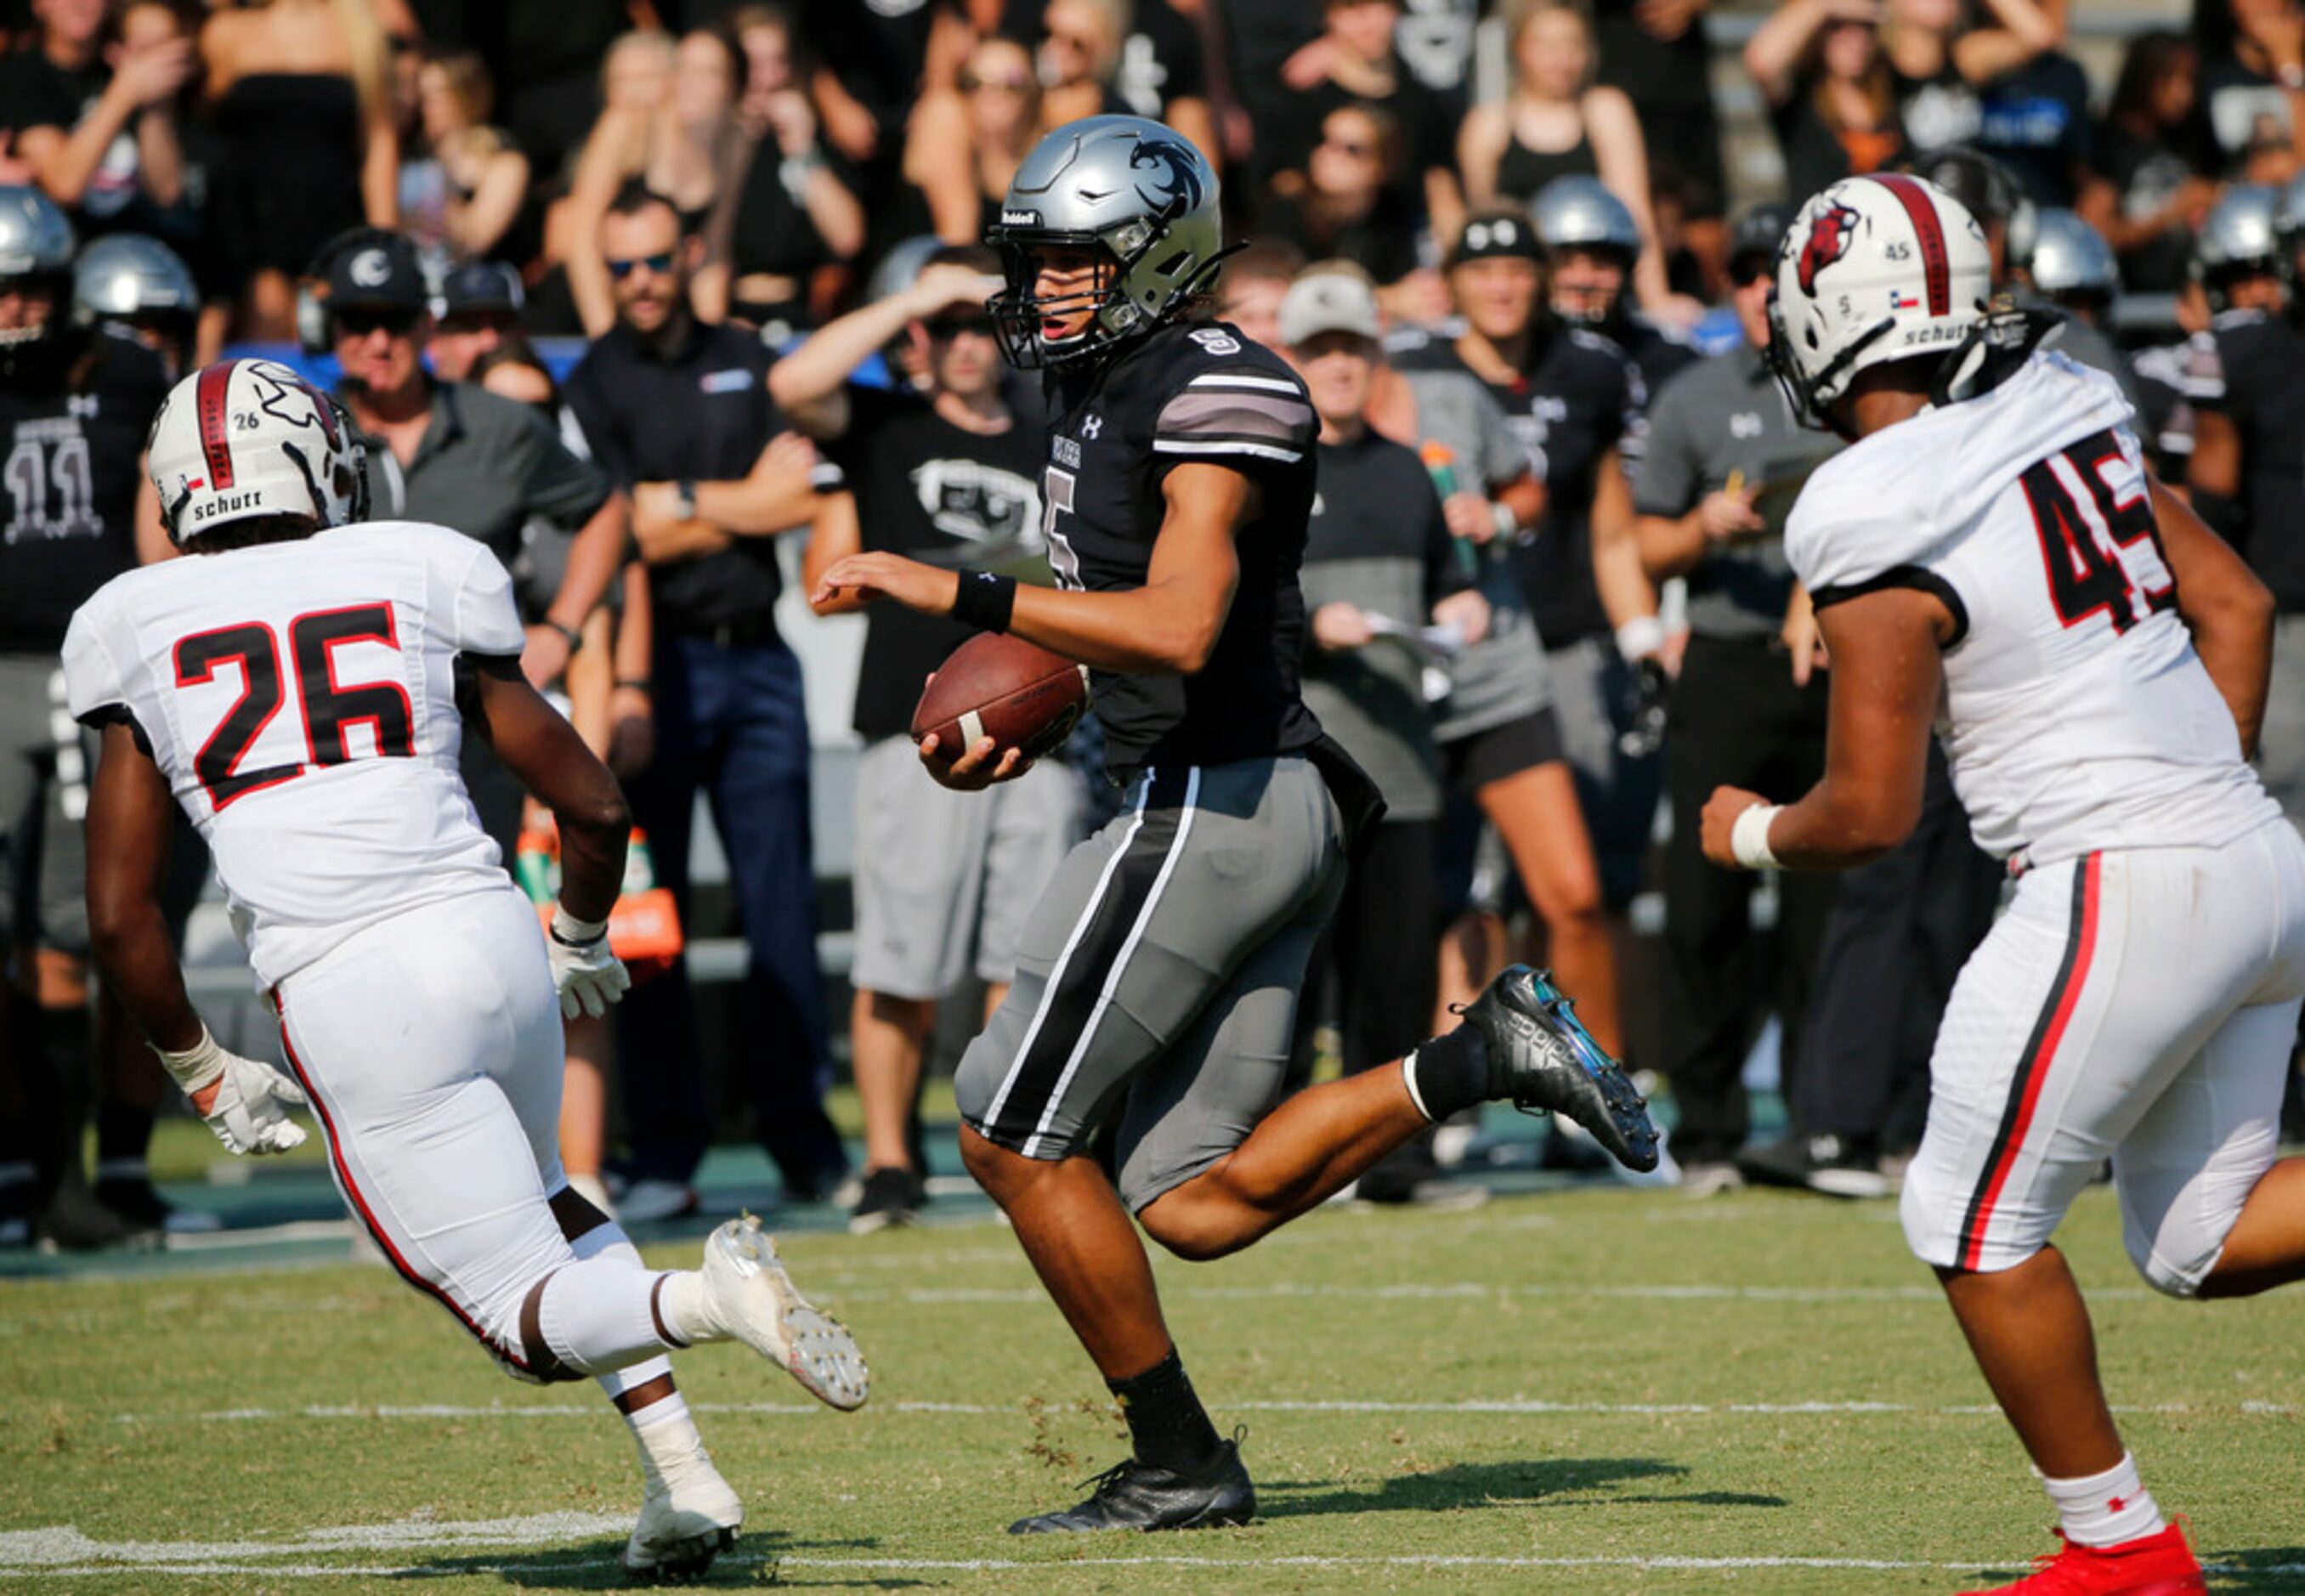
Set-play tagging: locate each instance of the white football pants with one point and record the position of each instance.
(430, 1045)
(2139, 1006)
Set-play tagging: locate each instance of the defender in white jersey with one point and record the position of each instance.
(1991, 555)
(302, 686)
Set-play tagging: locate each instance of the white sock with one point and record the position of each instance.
(2108, 1508)
(688, 1312)
(598, 1314)
(609, 1240)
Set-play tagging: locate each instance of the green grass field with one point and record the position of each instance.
(1592, 1390)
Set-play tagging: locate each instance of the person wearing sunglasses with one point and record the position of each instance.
(452, 454)
(947, 472)
(679, 413)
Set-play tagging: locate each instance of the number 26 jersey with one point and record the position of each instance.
(2076, 714)
(299, 698)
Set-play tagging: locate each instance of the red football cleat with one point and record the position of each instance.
(2160, 1565)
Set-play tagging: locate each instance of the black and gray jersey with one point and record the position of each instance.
(2263, 361)
(1188, 392)
(71, 454)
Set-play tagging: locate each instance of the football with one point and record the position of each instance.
(994, 685)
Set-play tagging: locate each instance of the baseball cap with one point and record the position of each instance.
(1760, 231)
(1329, 302)
(1499, 233)
(382, 272)
(479, 286)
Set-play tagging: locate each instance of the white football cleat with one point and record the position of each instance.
(688, 1517)
(750, 1298)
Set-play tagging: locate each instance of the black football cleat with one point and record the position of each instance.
(1137, 1496)
(1544, 1060)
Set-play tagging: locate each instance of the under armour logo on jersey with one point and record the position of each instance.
(1090, 427)
(1744, 423)
(83, 405)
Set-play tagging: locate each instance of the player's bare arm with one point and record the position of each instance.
(1166, 626)
(1886, 677)
(539, 745)
(128, 811)
(2226, 608)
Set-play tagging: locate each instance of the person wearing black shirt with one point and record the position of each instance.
(75, 407)
(1157, 978)
(1569, 396)
(946, 474)
(678, 413)
(100, 135)
(2248, 457)
(1380, 563)
(1724, 463)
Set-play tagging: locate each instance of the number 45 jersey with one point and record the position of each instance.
(301, 699)
(2076, 715)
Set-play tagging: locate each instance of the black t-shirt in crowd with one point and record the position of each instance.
(1184, 394)
(1382, 243)
(702, 414)
(72, 445)
(941, 494)
(2148, 176)
(2238, 110)
(2263, 358)
(1572, 404)
(36, 92)
(2036, 121)
(1427, 121)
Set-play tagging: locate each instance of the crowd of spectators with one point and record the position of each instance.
(732, 203)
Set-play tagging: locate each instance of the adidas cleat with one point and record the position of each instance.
(751, 1299)
(1135, 1495)
(688, 1517)
(1544, 1061)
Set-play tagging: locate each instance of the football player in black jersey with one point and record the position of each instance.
(1157, 978)
(1593, 240)
(75, 405)
(2249, 439)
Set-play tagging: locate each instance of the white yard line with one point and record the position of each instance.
(1495, 1405)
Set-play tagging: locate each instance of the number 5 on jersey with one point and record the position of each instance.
(329, 709)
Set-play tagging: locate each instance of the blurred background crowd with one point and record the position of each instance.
(630, 290)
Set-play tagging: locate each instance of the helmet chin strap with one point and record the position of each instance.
(2001, 342)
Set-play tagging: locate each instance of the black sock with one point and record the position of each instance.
(1165, 1421)
(1448, 1073)
(124, 1137)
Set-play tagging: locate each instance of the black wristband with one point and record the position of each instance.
(573, 636)
(634, 684)
(985, 601)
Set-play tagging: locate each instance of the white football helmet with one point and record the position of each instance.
(249, 437)
(1873, 269)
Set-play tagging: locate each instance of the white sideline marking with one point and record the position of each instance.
(64, 1544)
(64, 1552)
(1493, 1404)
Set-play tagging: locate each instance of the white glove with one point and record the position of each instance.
(249, 1110)
(588, 976)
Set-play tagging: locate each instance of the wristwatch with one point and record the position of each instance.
(684, 498)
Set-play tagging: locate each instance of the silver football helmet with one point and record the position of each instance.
(1118, 186)
(36, 244)
(2068, 258)
(125, 276)
(1580, 213)
(2239, 238)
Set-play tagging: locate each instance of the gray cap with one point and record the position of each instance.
(1329, 302)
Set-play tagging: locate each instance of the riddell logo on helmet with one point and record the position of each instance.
(1020, 218)
(1829, 238)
